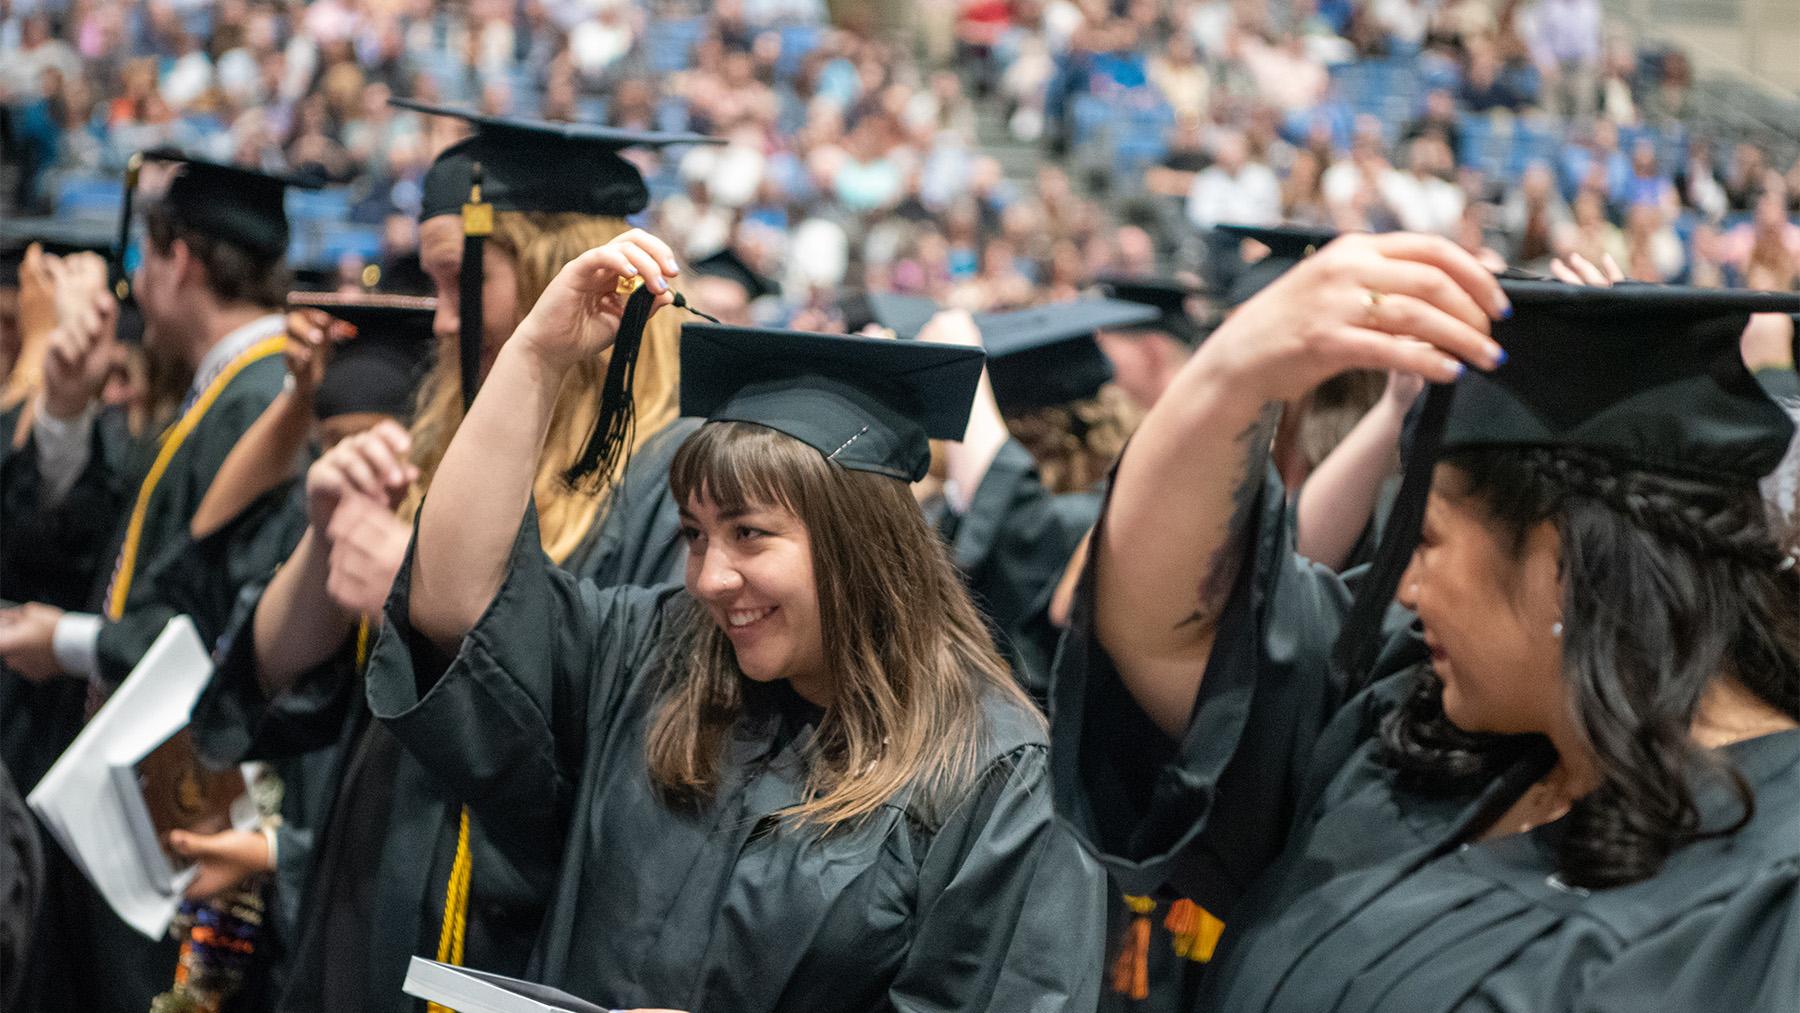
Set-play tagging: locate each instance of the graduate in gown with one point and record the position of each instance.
(400, 867)
(1567, 774)
(210, 277)
(800, 780)
(1024, 487)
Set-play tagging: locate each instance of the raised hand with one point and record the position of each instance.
(368, 546)
(1578, 270)
(1400, 301)
(371, 464)
(311, 333)
(578, 315)
(80, 356)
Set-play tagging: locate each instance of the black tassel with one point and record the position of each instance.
(1359, 643)
(617, 422)
(121, 283)
(478, 223)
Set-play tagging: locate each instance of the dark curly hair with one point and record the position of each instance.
(1669, 583)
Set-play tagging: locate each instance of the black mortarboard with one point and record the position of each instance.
(1288, 245)
(869, 404)
(1649, 376)
(1170, 297)
(534, 165)
(728, 265)
(1047, 355)
(244, 207)
(513, 164)
(59, 236)
(903, 315)
(380, 368)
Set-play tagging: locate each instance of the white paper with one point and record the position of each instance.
(471, 991)
(80, 801)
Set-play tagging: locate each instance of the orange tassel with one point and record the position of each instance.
(1195, 929)
(1131, 969)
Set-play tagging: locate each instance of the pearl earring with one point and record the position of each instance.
(1556, 630)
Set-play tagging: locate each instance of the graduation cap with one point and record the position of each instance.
(512, 164)
(1288, 245)
(728, 265)
(1170, 298)
(903, 315)
(869, 404)
(58, 236)
(1649, 376)
(1047, 355)
(536, 165)
(380, 368)
(242, 206)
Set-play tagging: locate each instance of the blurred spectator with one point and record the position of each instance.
(1648, 184)
(1652, 249)
(1234, 189)
(1747, 177)
(1421, 196)
(1532, 215)
(1697, 181)
(1565, 41)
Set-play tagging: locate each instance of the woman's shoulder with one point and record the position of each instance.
(1010, 723)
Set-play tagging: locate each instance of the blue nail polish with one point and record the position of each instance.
(1506, 312)
(660, 286)
(1500, 358)
(1461, 368)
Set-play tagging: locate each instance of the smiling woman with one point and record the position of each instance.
(804, 779)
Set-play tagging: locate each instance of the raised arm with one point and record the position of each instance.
(1183, 496)
(478, 497)
(1339, 497)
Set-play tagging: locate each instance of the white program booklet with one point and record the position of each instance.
(471, 991)
(87, 799)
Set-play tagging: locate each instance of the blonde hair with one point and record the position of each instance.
(540, 244)
(911, 656)
(1076, 443)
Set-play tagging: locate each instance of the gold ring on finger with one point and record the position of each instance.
(1371, 301)
(628, 283)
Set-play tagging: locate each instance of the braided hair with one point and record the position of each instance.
(1669, 583)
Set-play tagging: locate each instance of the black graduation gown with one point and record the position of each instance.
(1011, 547)
(540, 724)
(1342, 890)
(364, 890)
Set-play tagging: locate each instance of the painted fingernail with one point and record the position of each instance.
(1500, 357)
(1506, 311)
(630, 269)
(659, 286)
(671, 267)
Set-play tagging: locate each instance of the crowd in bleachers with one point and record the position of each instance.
(864, 151)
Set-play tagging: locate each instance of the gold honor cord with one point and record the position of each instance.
(456, 906)
(171, 444)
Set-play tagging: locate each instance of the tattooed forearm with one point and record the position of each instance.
(1247, 482)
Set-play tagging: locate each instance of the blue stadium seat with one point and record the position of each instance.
(92, 196)
(797, 42)
(331, 204)
(669, 46)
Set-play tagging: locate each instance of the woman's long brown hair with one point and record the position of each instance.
(539, 245)
(911, 656)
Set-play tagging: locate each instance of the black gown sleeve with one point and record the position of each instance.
(1013, 912)
(56, 554)
(1204, 815)
(504, 725)
(234, 721)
